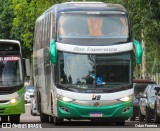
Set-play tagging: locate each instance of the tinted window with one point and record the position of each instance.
(88, 71)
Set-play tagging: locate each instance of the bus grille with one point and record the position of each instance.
(4, 101)
(2, 110)
(9, 90)
(5, 92)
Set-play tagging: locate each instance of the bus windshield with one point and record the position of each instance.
(77, 25)
(10, 71)
(89, 71)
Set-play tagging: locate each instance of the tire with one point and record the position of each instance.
(50, 119)
(156, 118)
(121, 123)
(4, 119)
(51, 105)
(57, 121)
(132, 118)
(38, 103)
(31, 112)
(141, 117)
(148, 118)
(44, 117)
(14, 119)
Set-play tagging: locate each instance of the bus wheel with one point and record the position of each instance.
(141, 117)
(14, 119)
(44, 117)
(4, 119)
(57, 120)
(156, 117)
(121, 123)
(148, 118)
(51, 119)
(133, 118)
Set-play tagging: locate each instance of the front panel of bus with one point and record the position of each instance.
(94, 63)
(11, 79)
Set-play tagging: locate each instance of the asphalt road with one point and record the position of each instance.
(29, 121)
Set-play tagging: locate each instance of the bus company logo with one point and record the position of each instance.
(96, 104)
(96, 97)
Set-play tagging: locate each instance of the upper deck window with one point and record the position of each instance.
(92, 26)
(4, 46)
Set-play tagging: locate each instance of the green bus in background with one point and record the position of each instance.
(83, 63)
(11, 81)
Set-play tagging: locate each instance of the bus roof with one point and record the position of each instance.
(69, 6)
(85, 6)
(9, 41)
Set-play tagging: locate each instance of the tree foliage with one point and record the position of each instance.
(26, 12)
(17, 20)
(6, 18)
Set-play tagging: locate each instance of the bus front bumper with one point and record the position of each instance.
(12, 109)
(71, 111)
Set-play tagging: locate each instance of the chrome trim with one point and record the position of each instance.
(101, 102)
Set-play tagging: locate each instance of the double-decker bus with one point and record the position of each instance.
(82, 63)
(11, 81)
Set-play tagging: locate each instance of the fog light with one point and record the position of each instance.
(64, 109)
(126, 109)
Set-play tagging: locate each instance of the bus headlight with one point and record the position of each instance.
(14, 100)
(125, 99)
(65, 99)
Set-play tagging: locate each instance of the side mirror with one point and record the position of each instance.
(139, 51)
(53, 52)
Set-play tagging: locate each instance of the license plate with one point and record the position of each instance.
(96, 114)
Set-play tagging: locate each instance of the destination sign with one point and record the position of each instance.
(10, 58)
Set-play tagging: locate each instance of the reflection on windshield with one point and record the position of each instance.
(72, 72)
(86, 26)
(10, 72)
(88, 71)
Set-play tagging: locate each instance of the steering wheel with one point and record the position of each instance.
(73, 33)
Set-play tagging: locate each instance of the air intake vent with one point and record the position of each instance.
(4, 101)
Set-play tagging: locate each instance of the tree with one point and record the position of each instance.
(6, 18)
(26, 12)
